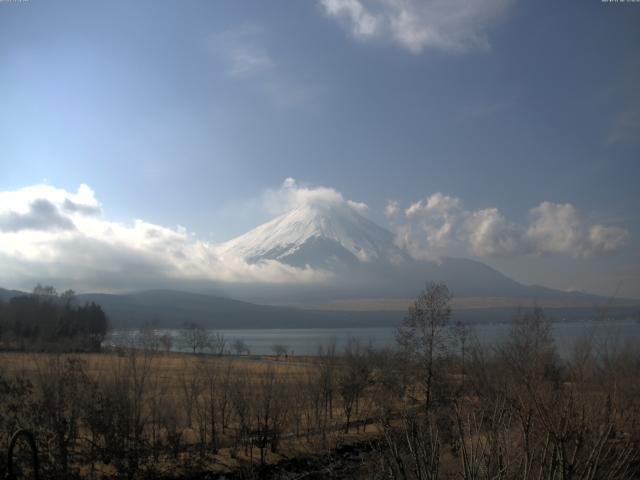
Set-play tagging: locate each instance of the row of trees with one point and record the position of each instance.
(48, 320)
(197, 339)
(192, 337)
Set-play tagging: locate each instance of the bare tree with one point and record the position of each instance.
(157, 405)
(217, 343)
(207, 403)
(240, 400)
(461, 333)
(116, 413)
(327, 365)
(240, 346)
(223, 397)
(269, 411)
(422, 333)
(415, 440)
(147, 338)
(353, 378)
(59, 381)
(195, 337)
(191, 385)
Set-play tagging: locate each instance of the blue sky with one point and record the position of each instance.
(186, 112)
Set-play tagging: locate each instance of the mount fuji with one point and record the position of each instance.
(364, 262)
(316, 236)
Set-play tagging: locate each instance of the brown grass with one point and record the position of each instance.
(171, 370)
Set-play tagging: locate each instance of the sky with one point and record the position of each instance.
(499, 130)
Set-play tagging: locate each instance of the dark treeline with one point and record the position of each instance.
(46, 320)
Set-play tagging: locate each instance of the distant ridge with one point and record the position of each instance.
(6, 295)
(171, 309)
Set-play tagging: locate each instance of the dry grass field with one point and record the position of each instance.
(190, 412)
(170, 367)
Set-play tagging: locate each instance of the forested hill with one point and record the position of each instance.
(46, 320)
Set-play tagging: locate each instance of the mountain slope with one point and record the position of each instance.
(314, 235)
(363, 258)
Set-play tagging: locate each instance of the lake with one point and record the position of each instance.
(306, 341)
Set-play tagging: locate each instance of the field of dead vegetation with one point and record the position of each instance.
(179, 413)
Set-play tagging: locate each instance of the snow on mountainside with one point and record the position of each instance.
(314, 235)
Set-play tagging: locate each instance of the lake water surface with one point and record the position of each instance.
(305, 341)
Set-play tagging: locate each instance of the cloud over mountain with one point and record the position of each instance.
(48, 233)
(291, 195)
(440, 224)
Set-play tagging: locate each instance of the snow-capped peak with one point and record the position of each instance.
(312, 234)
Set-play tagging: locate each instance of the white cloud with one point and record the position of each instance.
(411, 239)
(490, 234)
(439, 225)
(555, 228)
(291, 195)
(435, 220)
(433, 225)
(246, 58)
(558, 228)
(363, 24)
(289, 182)
(359, 207)
(607, 239)
(437, 204)
(449, 25)
(392, 209)
(42, 237)
(84, 200)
